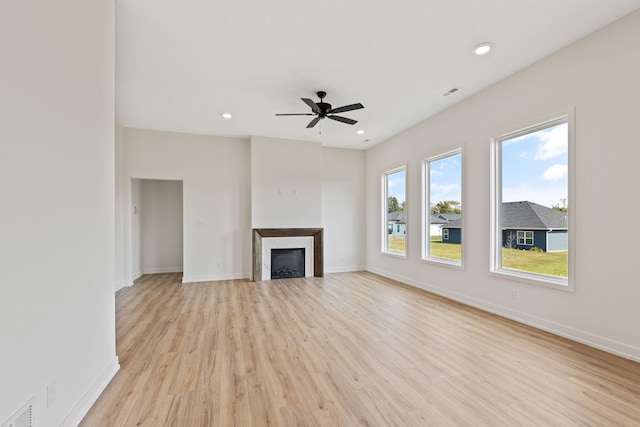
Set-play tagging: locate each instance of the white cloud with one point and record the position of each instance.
(553, 142)
(444, 188)
(445, 192)
(555, 172)
(392, 181)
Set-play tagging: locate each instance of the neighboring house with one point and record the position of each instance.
(525, 225)
(452, 231)
(436, 221)
(397, 222)
(529, 225)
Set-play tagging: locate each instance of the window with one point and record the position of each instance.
(530, 203)
(442, 234)
(394, 211)
(525, 238)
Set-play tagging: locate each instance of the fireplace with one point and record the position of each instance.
(266, 240)
(287, 263)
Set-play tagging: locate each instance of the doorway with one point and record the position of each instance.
(157, 226)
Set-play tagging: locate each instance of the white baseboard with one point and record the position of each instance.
(158, 270)
(330, 270)
(584, 337)
(123, 285)
(215, 277)
(89, 398)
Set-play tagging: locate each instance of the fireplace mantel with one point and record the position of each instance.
(260, 233)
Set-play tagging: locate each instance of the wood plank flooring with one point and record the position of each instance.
(350, 349)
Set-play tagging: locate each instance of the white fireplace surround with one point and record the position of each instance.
(269, 243)
(315, 253)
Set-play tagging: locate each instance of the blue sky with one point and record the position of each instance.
(534, 167)
(446, 176)
(396, 185)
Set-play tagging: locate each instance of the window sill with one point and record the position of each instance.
(534, 279)
(395, 254)
(444, 262)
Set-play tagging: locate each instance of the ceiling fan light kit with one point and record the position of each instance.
(323, 110)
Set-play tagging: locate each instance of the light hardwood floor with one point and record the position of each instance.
(346, 350)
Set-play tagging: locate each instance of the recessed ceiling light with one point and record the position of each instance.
(226, 116)
(483, 48)
(360, 132)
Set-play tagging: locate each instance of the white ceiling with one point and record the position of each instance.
(181, 63)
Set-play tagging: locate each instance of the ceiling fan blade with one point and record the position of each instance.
(346, 108)
(295, 114)
(343, 120)
(313, 122)
(313, 105)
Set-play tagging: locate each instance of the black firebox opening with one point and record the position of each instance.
(287, 263)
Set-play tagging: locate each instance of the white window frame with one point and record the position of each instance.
(445, 234)
(385, 197)
(495, 268)
(525, 238)
(426, 211)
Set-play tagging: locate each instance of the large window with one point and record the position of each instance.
(394, 190)
(525, 238)
(442, 237)
(531, 203)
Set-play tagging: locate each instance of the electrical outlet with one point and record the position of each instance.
(51, 394)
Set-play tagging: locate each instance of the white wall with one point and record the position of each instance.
(134, 210)
(57, 314)
(119, 210)
(217, 194)
(286, 183)
(343, 209)
(161, 231)
(216, 190)
(599, 76)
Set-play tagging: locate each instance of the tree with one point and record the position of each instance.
(403, 205)
(446, 206)
(511, 237)
(392, 204)
(562, 206)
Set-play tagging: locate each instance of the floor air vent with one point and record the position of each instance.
(22, 418)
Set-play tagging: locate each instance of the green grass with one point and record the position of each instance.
(551, 263)
(445, 250)
(397, 245)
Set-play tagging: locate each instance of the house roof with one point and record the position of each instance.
(454, 223)
(529, 215)
(444, 218)
(520, 215)
(397, 216)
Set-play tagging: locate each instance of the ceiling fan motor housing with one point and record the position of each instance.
(324, 109)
